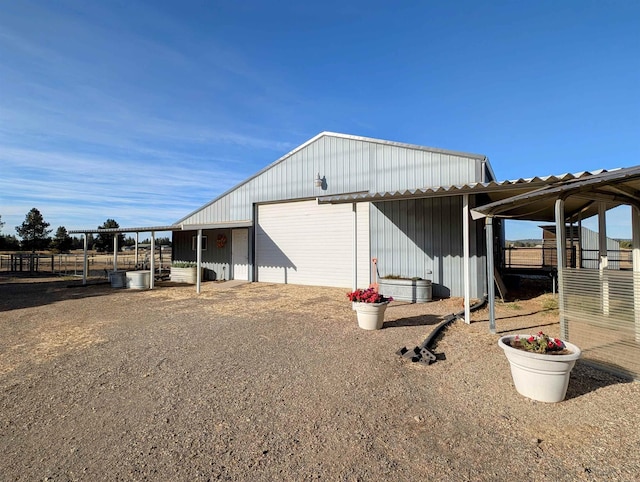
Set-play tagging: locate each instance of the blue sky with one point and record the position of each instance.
(144, 111)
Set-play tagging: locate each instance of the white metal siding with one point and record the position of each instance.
(310, 244)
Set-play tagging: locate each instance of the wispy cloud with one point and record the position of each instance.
(99, 120)
(117, 187)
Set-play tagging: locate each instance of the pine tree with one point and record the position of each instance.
(34, 232)
(104, 241)
(62, 242)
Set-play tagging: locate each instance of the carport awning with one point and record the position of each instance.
(581, 197)
(222, 225)
(146, 229)
(171, 227)
(494, 190)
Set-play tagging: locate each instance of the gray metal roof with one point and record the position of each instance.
(495, 190)
(145, 229)
(582, 194)
(171, 227)
(222, 225)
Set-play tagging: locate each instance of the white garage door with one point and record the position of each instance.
(311, 244)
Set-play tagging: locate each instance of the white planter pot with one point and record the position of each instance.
(370, 315)
(540, 377)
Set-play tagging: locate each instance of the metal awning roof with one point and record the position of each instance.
(223, 225)
(581, 195)
(126, 230)
(171, 227)
(495, 190)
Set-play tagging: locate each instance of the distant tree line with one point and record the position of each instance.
(523, 244)
(34, 236)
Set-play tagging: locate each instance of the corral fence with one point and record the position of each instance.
(72, 264)
(602, 314)
(601, 308)
(540, 257)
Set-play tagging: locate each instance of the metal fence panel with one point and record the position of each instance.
(72, 264)
(546, 257)
(602, 313)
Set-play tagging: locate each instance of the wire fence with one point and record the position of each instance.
(72, 264)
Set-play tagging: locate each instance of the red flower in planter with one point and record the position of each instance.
(368, 296)
(539, 343)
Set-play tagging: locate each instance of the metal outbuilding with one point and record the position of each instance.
(319, 214)
(303, 231)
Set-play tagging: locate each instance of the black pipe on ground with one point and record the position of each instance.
(423, 353)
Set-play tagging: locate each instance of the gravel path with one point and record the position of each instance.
(276, 382)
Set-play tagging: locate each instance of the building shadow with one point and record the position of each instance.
(16, 294)
(277, 265)
(587, 377)
(420, 320)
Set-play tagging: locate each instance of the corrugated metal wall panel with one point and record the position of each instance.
(411, 237)
(213, 258)
(349, 165)
(600, 314)
(591, 253)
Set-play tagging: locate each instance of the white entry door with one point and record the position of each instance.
(240, 253)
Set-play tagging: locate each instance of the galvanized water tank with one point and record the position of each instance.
(117, 279)
(414, 290)
(138, 280)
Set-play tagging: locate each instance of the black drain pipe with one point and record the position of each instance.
(422, 353)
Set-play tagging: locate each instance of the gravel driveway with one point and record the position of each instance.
(277, 382)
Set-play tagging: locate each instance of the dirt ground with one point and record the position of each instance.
(277, 382)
